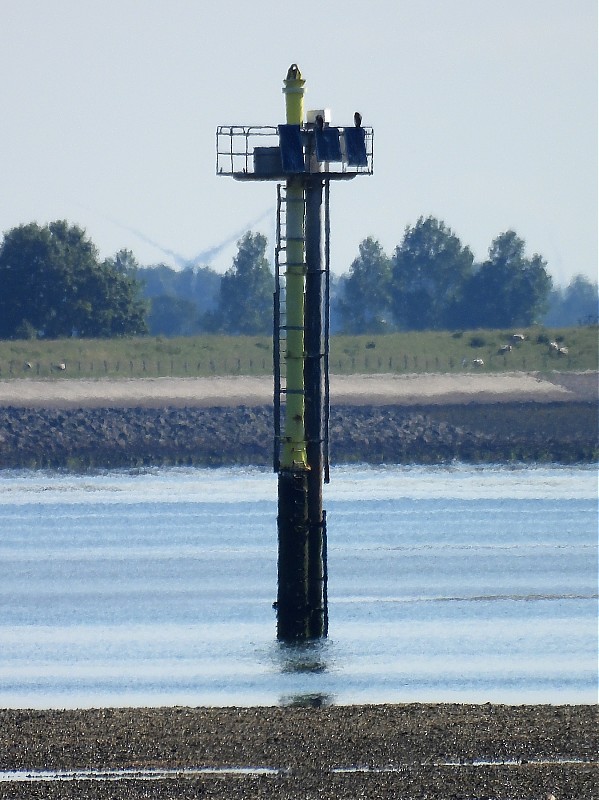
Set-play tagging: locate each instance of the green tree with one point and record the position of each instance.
(364, 306)
(428, 272)
(508, 289)
(53, 285)
(577, 304)
(118, 309)
(246, 290)
(38, 268)
(182, 302)
(199, 285)
(173, 316)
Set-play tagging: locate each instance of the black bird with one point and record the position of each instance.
(319, 122)
(357, 119)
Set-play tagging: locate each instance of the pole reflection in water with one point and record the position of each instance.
(304, 658)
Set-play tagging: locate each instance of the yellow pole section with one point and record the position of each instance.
(293, 454)
(294, 96)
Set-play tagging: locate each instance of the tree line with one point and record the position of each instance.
(432, 282)
(54, 285)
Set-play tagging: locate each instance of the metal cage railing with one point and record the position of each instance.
(254, 153)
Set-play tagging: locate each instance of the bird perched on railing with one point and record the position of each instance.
(357, 119)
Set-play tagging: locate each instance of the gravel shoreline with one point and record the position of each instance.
(387, 751)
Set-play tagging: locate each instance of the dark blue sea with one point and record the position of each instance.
(155, 587)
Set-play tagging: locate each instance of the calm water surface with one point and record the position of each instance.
(155, 588)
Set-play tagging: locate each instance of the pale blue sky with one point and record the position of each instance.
(485, 115)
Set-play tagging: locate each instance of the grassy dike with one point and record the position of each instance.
(414, 352)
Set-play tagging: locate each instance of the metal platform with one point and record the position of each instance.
(278, 153)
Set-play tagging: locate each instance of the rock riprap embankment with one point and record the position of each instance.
(123, 437)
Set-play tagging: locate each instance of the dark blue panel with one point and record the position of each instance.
(355, 147)
(292, 152)
(328, 147)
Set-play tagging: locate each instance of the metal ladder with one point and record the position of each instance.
(280, 329)
(280, 324)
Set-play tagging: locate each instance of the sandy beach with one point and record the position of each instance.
(384, 389)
